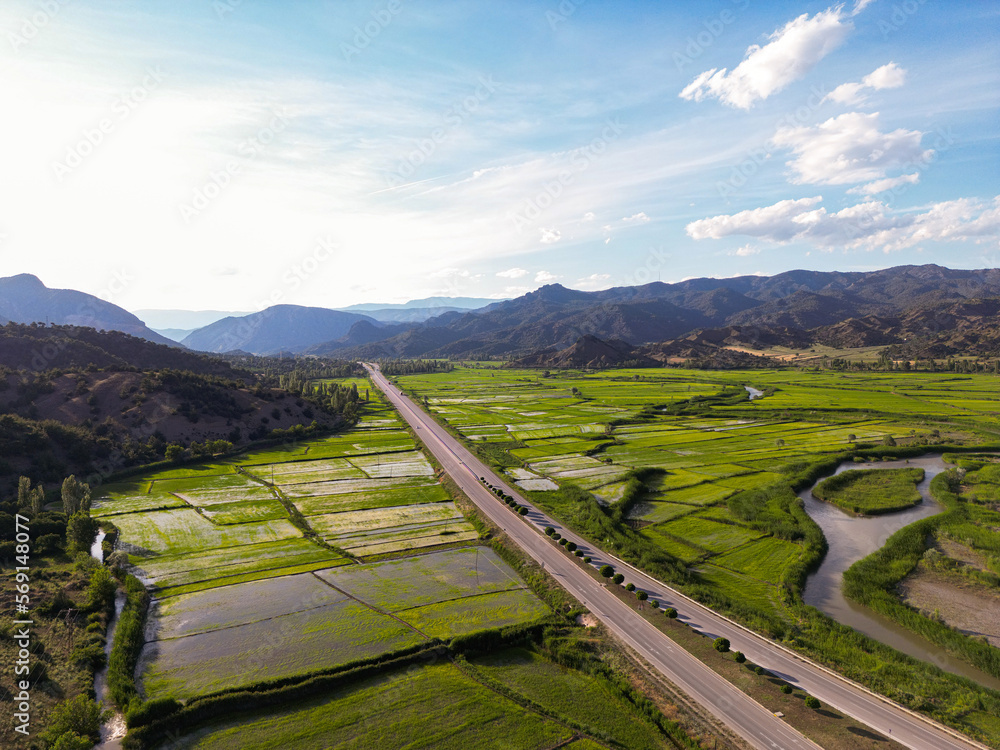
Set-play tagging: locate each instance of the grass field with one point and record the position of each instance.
(436, 706)
(872, 491)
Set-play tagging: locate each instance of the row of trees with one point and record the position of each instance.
(414, 366)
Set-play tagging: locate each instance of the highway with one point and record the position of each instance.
(747, 718)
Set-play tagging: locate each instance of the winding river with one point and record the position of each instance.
(851, 538)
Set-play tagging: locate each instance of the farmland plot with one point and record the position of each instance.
(182, 530)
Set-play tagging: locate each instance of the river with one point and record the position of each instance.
(114, 729)
(851, 538)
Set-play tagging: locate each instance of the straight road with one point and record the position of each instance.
(730, 705)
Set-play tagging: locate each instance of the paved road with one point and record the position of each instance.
(730, 705)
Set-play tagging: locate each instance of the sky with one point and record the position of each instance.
(233, 154)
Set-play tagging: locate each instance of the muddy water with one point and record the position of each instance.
(851, 538)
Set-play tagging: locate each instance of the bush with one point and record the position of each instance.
(812, 702)
(786, 689)
(759, 670)
(523, 510)
(586, 559)
(549, 531)
(630, 586)
(641, 596)
(81, 715)
(740, 657)
(571, 546)
(721, 645)
(607, 571)
(72, 741)
(563, 542)
(150, 711)
(578, 553)
(654, 604)
(671, 613)
(618, 578)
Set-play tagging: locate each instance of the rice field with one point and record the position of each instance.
(588, 429)
(237, 635)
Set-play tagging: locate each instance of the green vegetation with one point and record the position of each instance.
(873, 491)
(715, 511)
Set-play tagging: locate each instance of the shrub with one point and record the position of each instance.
(618, 578)
(607, 571)
(740, 657)
(641, 596)
(630, 586)
(571, 546)
(563, 542)
(654, 604)
(586, 559)
(81, 715)
(671, 613)
(150, 711)
(786, 689)
(812, 702)
(759, 670)
(578, 553)
(721, 645)
(523, 510)
(549, 531)
(72, 741)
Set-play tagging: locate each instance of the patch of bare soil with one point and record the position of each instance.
(962, 553)
(587, 620)
(972, 608)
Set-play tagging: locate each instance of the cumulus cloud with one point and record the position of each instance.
(639, 218)
(889, 76)
(589, 216)
(746, 251)
(544, 277)
(889, 183)
(870, 225)
(548, 236)
(791, 52)
(848, 148)
(594, 281)
(513, 273)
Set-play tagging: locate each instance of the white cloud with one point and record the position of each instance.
(870, 225)
(594, 281)
(639, 218)
(889, 183)
(860, 5)
(848, 148)
(589, 216)
(746, 251)
(544, 277)
(791, 53)
(513, 273)
(889, 76)
(549, 236)
(515, 291)
(773, 222)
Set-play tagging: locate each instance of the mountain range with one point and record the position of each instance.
(927, 310)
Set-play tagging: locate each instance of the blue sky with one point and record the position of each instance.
(230, 154)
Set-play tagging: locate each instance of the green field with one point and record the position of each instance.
(237, 635)
(721, 518)
(872, 491)
(435, 706)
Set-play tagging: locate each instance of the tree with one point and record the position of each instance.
(549, 531)
(23, 492)
(618, 578)
(81, 715)
(72, 741)
(740, 657)
(571, 546)
(890, 441)
(80, 532)
(174, 452)
(721, 645)
(786, 689)
(607, 571)
(851, 437)
(101, 591)
(641, 596)
(37, 500)
(75, 496)
(671, 613)
(630, 586)
(812, 702)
